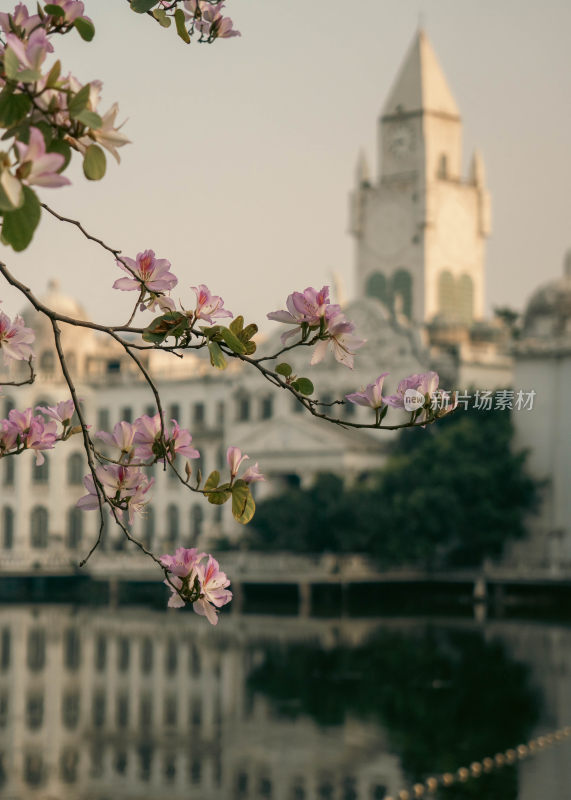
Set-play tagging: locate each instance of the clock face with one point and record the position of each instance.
(401, 140)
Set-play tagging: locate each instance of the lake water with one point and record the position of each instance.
(106, 704)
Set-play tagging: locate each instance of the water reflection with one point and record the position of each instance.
(101, 704)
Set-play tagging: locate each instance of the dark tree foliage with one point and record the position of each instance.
(445, 698)
(450, 495)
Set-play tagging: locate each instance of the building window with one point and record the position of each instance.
(74, 528)
(171, 657)
(267, 409)
(173, 528)
(146, 656)
(149, 527)
(4, 708)
(70, 710)
(242, 408)
(9, 470)
(377, 287)
(71, 649)
(39, 527)
(151, 410)
(5, 649)
(34, 711)
(196, 522)
(171, 707)
(123, 652)
(122, 710)
(198, 415)
(100, 653)
(465, 295)
(36, 651)
(98, 710)
(220, 412)
(195, 662)
(68, 765)
(402, 292)
(296, 406)
(103, 419)
(47, 362)
(174, 411)
(349, 408)
(41, 472)
(113, 367)
(75, 469)
(442, 172)
(8, 527)
(446, 293)
(127, 414)
(146, 711)
(34, 769)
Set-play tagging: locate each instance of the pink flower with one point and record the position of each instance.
(425, 383)
(8, 436)
(21, 19)
(223, 28)
(208, 305)
(253, 474)
(213, 592)
(183, 562)
(38, 167)
(62, 412)
(146, 272)
(138, 500)
(147, 433)
(109, 136)
(121, 438)
(234, 458)
(147, 440)
(34, 433)
(175, 600)
(370, 396)
(341, 337)
(73, 9)
(180, 440)
(126, 486)
(308, 307)
(32, 53)
(15, 339)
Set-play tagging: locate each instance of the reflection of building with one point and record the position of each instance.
(119, 704)
(543, 364)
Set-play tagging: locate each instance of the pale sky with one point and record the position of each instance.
(243, 152)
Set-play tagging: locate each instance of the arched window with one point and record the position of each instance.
(75, 469)
(402, 292)
(41, 472)
(173, 528)
(377, 287)
(149, 527)
(47, 361)
(267, 407)
(74, 528)
(196, 522)
(9, 470)
(446, 293)
(36, 651)
(8, 528)
(465, 298)
(242, 407)
(39, 527)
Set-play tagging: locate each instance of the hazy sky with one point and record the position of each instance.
(243, 152)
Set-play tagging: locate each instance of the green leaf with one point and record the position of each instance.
(173, 323)
(142, 6)
(29, 76)
(19, 226)
(232, 341)
(89, 118)
(213, 480)
(181, 25)
(284, 369)
(243, 506)
(162, 18)
(250, 348)
(55, 11)
(85, 28)
(249, 331)
(61, 147)
(79, 101)
(13, 108)
(21, 132)
(303, 386)
(236, 325)
(53, 75)
(11, 64)
(216, 356)
(219, 498)
(94, 163)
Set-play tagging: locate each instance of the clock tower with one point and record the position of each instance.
(419, 225)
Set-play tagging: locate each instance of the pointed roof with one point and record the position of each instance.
(421, 84)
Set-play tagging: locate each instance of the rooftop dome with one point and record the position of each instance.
(57, 301)
(548, 312)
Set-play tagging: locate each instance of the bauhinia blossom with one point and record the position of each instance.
(72, 9)
(32, 432)
(208, 306)
(61, 412)
(148, 440)
(340, 336)
(109, 135)
(213, 591)
(425, 383)
(121, 439)
(253, 474)
(146, 272)
(192, 581)
(36, 165)
(234, 457)
(309, 307)
(20, 18)
(15, 338)
(126, 487)
(371, 396)
(32, 52)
